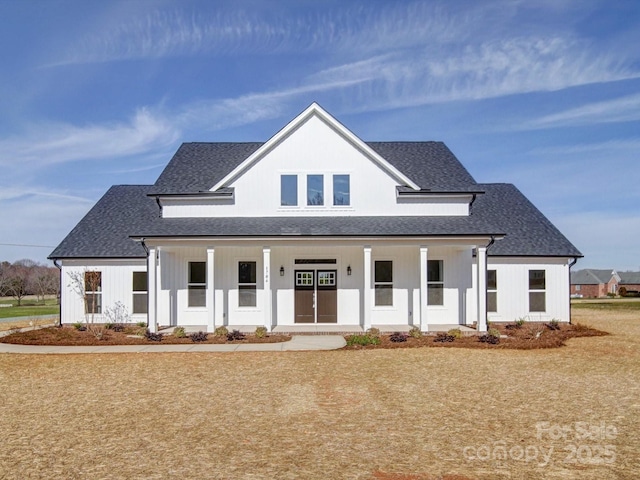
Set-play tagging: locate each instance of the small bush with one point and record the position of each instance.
(108, 326)
(179, 332)
(533, 332)
(141, 324)
(221, 332)
(492, 337)
(455, 333)
(622, 291)
(118, 327)
(362, 340)
(554, 324)
(261, 332)
(79, 326)
(520, 322)
(444, 338)
(198, 337)
(373, 331)
(415, 332)
(398, 337)
(235, 335)
(152, 337)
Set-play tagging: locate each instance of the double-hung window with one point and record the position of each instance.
(537, 291)
(492, 291)
(140, 292)
(93, 292)
(247, 285)
(435, 282)
(197, 284)
(383, 282)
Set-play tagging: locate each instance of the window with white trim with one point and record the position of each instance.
(341, 190)
(537, 291)
(435, 282)
(315, 190)
(247, 284)
(383, 282)
(288, 190)
(140, 293)
(197, 284)
(92, 292)
(492, 290)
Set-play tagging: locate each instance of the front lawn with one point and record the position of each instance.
(30, 308)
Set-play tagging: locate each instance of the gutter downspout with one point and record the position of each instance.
(159, 212)
(575, 260)
(146, 249)
(55, 262)
(473, 199)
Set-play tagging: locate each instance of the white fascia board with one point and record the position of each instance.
(317, 110)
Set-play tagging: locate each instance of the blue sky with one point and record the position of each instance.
(543, 94)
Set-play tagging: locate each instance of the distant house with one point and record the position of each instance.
(630, 281)
(591, 283)
(316, 226)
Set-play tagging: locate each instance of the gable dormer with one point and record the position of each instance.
(314, 166)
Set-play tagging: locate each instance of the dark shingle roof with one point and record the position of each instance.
(629, 278)
(528, 231)
(104, 231)
(196, 167)
(589, 276)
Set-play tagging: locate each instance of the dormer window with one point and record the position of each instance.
(315, 190)
(289, 190)
(341, 191)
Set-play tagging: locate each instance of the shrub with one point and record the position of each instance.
(415, 332)
(398, 337)
(235, 335)
(363, 339)
(492, 337)
(533, 332)
(553, 324)
(622, 291)
(152, 337)
(141, 324)
(118, 327)
(455, 333)
(198, 337)
(108, 326)
(444, 338)
(79, 326)
(373, 331)
(179, 332)
(261, 332)
(520, 322)
(221, 332)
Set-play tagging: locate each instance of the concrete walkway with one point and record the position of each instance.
(297, 343)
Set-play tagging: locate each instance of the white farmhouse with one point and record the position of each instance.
(316, 226)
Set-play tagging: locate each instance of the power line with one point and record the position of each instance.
(25, 245)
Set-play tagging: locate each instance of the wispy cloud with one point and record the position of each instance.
(622, 109)
(60, 143)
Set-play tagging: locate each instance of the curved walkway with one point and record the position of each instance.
(297, 343)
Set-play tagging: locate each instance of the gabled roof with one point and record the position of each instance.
(629, 278)
(589, 276)
(314, 110)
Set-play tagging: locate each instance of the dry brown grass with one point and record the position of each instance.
(364, 414)
(26, 323)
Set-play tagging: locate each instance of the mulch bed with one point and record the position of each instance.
(68, 335)
(530, 336)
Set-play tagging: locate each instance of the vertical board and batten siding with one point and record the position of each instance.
(513, 288)
(316, 149)
(117, 286)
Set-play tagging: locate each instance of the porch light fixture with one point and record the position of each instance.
(282, 270)
(349, 270)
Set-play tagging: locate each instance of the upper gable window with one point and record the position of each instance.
(315, 190)
(341, 191)
(289, 190)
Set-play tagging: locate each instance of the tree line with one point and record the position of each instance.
(27, 277)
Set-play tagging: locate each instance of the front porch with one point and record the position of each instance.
(319, 329)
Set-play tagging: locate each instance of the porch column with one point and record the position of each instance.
(424, 297)
(481, 258)
(210, 302)
(266, 264)
(152, 272)
(367, 288)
